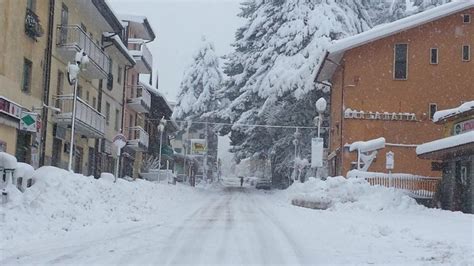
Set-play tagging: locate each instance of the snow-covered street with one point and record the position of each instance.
(231, 225)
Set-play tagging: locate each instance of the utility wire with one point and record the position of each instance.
(236, 124)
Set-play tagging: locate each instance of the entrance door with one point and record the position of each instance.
(78, 159)
(57, 149)
(23, 146)
(91, 161)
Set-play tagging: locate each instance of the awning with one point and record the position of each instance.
(441, 149)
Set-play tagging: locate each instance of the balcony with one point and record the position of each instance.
(140, 101)
(72, 39)
(138, 139)
(89, 121)
(142, 55)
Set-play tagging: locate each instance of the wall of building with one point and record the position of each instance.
(368, 84)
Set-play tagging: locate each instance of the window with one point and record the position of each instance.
(59, 88)
(107, 113)
(27, 73)
(466, 18)
(433, 109)
(79, 91)
(117, 119)
(87, 96)
(119, 75)
(94, 102)
(434, 56)
(401, 64)
(466, 53)
(31, 5)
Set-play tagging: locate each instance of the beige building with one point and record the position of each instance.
(23, 56)
(137, 96)
(88, 26)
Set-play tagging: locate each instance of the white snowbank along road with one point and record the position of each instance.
(68, 218)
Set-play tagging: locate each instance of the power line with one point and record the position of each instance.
(236, 124)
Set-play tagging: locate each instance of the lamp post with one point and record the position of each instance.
(73, 70)
(321, 105)
(317, 144)
(161, 128)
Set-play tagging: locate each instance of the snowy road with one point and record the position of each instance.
(232, 225)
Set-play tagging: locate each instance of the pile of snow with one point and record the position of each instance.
(467, 106)
(339, 193)
(61, 201)
(370, 145)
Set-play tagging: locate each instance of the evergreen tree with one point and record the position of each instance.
(197, 99)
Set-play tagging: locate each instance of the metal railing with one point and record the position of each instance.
(90, 117)
(420, 187)
(140, 95)
(138, 47)
(137, 135)
(73, 36)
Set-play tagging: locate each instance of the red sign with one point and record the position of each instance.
(463, 127)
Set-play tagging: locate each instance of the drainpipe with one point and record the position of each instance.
(124, 102)
(47, 81)
(342, 115)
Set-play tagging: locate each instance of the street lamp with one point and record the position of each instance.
(161, 128)
(321, 105)
(73, 70)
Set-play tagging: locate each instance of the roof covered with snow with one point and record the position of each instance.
(120, 46)
(445, 114)
(337, 49)
(446, 143)
(140, 20)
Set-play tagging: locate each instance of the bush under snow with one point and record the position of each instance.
(339, 193)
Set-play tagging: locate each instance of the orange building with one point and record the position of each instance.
(389, 81)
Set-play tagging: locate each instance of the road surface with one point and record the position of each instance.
(238, 226)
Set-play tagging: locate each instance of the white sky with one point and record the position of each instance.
(179, 26)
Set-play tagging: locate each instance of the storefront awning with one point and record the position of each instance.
(441, 149)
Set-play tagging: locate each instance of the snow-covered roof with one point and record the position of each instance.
(445, 143)
(155, 91)
(444, 114)
(120, 45)
(370, 145)
(336, 50)
(140, 20)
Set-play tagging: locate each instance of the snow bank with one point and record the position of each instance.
(61, 201)
(339, 193)
(467, 106)
(446, 143)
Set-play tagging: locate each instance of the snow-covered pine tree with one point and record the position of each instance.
(197, 98)
(270, 72)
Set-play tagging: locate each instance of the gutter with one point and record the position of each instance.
(47, 82)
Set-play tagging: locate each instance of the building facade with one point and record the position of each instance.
(389, 81)
(23, 56)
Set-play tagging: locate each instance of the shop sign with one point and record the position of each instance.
(10, 108)
(386, 116)
(198, 146)
(463, 127)
(29, 121)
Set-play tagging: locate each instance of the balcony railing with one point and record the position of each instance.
(141, 54)
(72, 39)
(140, 101)
(89, 121)
(138, 139)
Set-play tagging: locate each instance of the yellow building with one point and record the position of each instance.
(92, 27)
(23, 56)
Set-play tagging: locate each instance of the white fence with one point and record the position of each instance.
(420, 187)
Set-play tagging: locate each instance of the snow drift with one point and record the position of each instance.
(339, 193)
(61, 201)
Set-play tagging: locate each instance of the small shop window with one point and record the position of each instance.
(434, 56)
(466, 53)
(433, 109)
(27, 73)
(401, 61)
(466, 18)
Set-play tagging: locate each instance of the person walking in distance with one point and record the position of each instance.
(241, 181)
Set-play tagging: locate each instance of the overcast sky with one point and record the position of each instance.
(179, 26)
